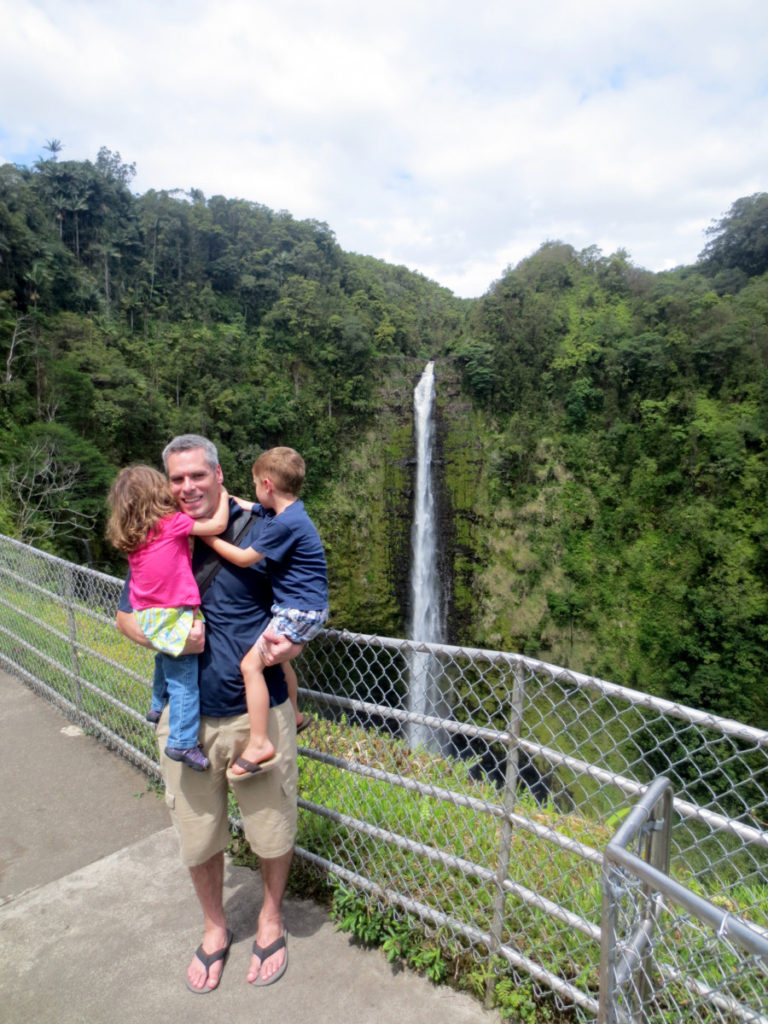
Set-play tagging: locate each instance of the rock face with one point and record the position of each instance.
(459, 460)
(365, 520)
(366, 525)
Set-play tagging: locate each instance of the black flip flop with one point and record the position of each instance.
(207, 960)
(264, 954)
(252, 768)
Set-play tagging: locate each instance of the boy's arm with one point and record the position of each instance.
(247, 505)
(217, 522)
(237, 556)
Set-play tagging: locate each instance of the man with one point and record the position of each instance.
(236, 605)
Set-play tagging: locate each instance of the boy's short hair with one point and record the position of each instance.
(284, 466)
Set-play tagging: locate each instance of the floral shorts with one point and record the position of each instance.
(167, 629)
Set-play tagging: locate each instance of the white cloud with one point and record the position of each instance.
(453, 138)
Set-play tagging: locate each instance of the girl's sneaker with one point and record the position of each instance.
(153, 717)
(194, 757)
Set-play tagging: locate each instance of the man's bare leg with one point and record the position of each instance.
(208, 880)
(274, 874)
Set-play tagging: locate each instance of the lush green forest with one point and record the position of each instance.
(602, 430)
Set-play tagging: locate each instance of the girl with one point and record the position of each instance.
(148, 528)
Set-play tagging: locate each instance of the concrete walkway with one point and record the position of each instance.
(98, 919)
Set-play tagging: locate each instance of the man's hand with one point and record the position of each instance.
(196, 639)
(275, 648)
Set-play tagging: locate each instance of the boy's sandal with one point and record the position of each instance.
(251, 768)
(306, 721)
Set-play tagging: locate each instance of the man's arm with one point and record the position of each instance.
(237, 556)
(128, 625)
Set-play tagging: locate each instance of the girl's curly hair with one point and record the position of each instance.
(138, 499)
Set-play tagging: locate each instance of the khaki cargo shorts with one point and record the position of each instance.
(198, 801)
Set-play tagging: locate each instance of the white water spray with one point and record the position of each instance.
(426, 611)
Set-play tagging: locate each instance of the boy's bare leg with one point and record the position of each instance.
(260, 747)
(293, 690)
(208, 880)
(278, 649)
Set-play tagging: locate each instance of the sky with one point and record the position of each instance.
(452, 137)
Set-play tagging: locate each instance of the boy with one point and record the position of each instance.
(296, 562)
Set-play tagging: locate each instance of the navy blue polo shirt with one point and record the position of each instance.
(237, 607)
(295, 557)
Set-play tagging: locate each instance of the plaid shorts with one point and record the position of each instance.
(298, 624)
(167, 629)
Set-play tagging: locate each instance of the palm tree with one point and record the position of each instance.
(78, 202)
(106, 251)
(54, 147)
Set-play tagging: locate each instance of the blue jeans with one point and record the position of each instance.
(175, 681)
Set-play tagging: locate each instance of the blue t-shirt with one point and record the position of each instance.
(237, 610)
(294, 556)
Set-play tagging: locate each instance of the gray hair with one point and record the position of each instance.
(187, 442)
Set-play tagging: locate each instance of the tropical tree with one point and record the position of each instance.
(54, 487)
(739, 240)
(54, 147)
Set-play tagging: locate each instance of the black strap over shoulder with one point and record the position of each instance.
(205, 564)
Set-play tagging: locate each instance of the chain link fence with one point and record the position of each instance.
(668, 953)
(472, 791)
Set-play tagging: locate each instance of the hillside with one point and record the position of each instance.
(601, 429)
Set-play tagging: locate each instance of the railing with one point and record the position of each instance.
(492, 832)
(667, 953)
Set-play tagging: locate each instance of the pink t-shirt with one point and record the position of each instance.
(161, 569)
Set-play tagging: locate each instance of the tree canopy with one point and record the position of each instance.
(739, 240)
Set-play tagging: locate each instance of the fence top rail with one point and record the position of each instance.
(727, 726)
(61, 562)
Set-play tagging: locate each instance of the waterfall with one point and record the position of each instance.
(426, 605)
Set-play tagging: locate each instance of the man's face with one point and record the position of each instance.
(195, 486)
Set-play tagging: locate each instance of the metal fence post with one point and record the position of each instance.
(658, 843)
(607, 1008)
(650, 829)
(69, 590)
(505, 837)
